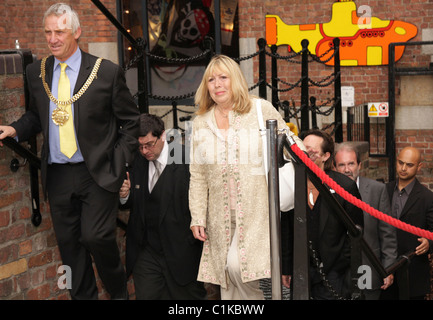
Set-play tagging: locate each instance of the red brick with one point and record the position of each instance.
(15, 231)
(40, 293)
(13, 83)
(25, 213)
(4, 218)
(6, 288)
(25, 247)
(8, 199)
(41, 259)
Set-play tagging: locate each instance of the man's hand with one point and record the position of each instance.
(7, 131)
(124, 190)
(423, 247)
(286, 279)
(387, 282)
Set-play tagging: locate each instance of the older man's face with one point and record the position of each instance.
(61, 41)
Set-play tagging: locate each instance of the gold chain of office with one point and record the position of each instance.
(60, 115)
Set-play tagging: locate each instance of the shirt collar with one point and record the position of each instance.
(163, 157)
(73, 61)
(408, 188)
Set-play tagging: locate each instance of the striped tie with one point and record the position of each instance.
(156, 175)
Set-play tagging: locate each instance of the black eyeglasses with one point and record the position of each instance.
(149, 145)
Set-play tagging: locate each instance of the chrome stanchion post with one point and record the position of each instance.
(274, 209)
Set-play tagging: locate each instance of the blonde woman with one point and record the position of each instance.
(228, 194)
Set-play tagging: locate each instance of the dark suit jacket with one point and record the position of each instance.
(380, 236)
(418, 212)
(181, 251)
(105, 120)
(334, 242)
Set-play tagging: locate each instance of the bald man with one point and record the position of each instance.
(412, 203)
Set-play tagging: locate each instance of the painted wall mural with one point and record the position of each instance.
(364, 39)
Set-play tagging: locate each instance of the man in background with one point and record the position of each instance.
(380, 236)
(412, 203)
(161, 252)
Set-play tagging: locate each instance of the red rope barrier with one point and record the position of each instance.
(357, 202)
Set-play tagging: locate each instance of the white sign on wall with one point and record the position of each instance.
(347, 96)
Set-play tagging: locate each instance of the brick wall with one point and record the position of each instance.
(22, 20)
(28, 255)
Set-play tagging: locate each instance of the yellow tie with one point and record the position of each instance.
(68, 145)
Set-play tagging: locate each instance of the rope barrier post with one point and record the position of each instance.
(355, 262)
(175, 123)
(390, 120)
(143, 100)
(274, 209)
(274, 79)
(300, 279)
(262, 68)
(313, 112)
(305, 116)
(337, 93)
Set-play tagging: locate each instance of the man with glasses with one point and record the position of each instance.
(161, 252)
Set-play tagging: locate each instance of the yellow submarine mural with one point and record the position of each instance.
(364, 39)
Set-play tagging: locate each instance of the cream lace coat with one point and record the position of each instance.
(215, 162)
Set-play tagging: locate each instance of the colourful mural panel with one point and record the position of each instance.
(364, 39)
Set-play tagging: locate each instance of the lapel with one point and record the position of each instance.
(85, 70)
(364, 189)
(412, 199)
(141, 187)
(49, 64)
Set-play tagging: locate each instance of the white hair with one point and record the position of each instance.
(71, 20)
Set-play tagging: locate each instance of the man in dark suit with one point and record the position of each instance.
(380, 236)
(161, 252)
(412, 203)
(327, 233)
(88, 139)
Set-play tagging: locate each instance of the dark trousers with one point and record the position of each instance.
(338, 282)
(154, 281)
(84, 220)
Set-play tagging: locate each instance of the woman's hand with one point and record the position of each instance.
(199, 233)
